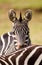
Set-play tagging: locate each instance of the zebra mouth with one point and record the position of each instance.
(21, 46)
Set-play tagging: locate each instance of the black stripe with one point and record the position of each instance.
(26, 53)
(5, 37)
(28, 42)
(40, 63)
(35, 56)
(13, 59)
(23, 57)
(27, 37)
(12, 33)
(1, 44)
(12, 38)
(2, 62)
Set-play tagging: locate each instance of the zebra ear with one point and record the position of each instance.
(28, 15)
(12, 15)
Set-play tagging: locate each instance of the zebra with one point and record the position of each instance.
(19, 35)
(28, 55)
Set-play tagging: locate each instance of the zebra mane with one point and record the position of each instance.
(20, 19)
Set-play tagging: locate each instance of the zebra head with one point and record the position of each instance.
(20, 27)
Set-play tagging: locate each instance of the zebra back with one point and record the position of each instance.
(31, 55)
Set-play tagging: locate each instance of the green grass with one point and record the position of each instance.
(36, 28)
(5, 24)
(22, 4)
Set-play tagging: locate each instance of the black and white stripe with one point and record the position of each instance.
(5, 42)
(18, 36)
(31, 55)
(11, 40)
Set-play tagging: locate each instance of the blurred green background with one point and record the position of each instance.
(35, 24)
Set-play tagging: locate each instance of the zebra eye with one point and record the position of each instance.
(28, 15)
(12, 15)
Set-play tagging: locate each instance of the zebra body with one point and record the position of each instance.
(18, 36)
(5, 42)
(31, 55)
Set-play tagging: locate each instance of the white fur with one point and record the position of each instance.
(3, 44)
(4, 62)
(39, 59)
(31, 54)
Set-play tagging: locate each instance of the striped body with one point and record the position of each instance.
(18, 36)
(31, 55)
(10, 40)
(5, 41)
